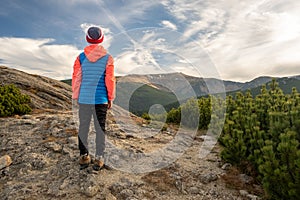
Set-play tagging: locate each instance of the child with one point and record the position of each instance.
(93, 85)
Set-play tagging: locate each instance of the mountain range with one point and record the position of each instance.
(172, 89)
(138, 93)
(200, 85)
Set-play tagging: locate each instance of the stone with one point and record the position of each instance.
(91, 190)
(245, 178)
(116, 188)
(73, 141)
(90, 187)
(54, 146)
(179, 185)
(109, 196)
(5, 171)
(226, 166)
(252, 197)
(244, 193)
(5, 161)
(126, 193)
(208, 178)
(193, 190)
(36, 160)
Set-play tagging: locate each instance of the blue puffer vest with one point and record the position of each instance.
(92, 88)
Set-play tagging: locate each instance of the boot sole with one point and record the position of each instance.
(97, 167)
(83, 166)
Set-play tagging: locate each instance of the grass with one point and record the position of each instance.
(160, 180)
(233, 181)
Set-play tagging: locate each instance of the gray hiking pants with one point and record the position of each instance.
(86, 111)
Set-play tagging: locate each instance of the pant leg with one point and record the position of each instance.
(85, 115)
(99, 123)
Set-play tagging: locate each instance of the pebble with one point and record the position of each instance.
(5, 161)
(252, 197)
(90, 186)
(109, 196)
(208, 178)
(244, 193)
(194, 190)
(91, 190)
(126, 193)
(245, 178)
(226, 166)
(54, 146)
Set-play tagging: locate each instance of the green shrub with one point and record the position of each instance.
(205, 110)
(174, 116)
(190, 113)
(146, 116)
(264, 133)
(13, 102)
(196, 113)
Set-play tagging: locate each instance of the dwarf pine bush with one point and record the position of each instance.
(264, 132)
(13, 102)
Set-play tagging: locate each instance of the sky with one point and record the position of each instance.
(227, 39)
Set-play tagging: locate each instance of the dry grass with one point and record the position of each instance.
(233, 181)
(71, 131)
(54, 139)
(50, 139)
(160, 180)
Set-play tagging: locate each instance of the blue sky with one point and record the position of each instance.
(228, 39)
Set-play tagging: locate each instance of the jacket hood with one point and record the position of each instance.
(94, 52)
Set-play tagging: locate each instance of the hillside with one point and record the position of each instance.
(44, 152)
(181, 84)
(143, 97)
(256, 82)
(45, 93)
(285, 83)
(170, 89)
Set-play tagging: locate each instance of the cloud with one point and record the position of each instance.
(169, 25)
(38, 56)
(137, 62)
(257, 42)
(160, 51)
(244, 39)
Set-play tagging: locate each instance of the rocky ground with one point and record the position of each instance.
(43, 149)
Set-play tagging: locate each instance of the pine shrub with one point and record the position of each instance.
(264, 132)
(174, 116)
(12, 102)
(146, 116)
(195, 113)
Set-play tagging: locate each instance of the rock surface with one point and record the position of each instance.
(44, 92)
(43, 148)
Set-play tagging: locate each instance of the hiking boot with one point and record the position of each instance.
(98, 163)
(84, 161)
(107, 167)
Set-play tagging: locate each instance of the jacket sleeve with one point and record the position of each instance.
(110, 80)
(76, 78)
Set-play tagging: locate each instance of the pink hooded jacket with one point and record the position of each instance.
(94, 52)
